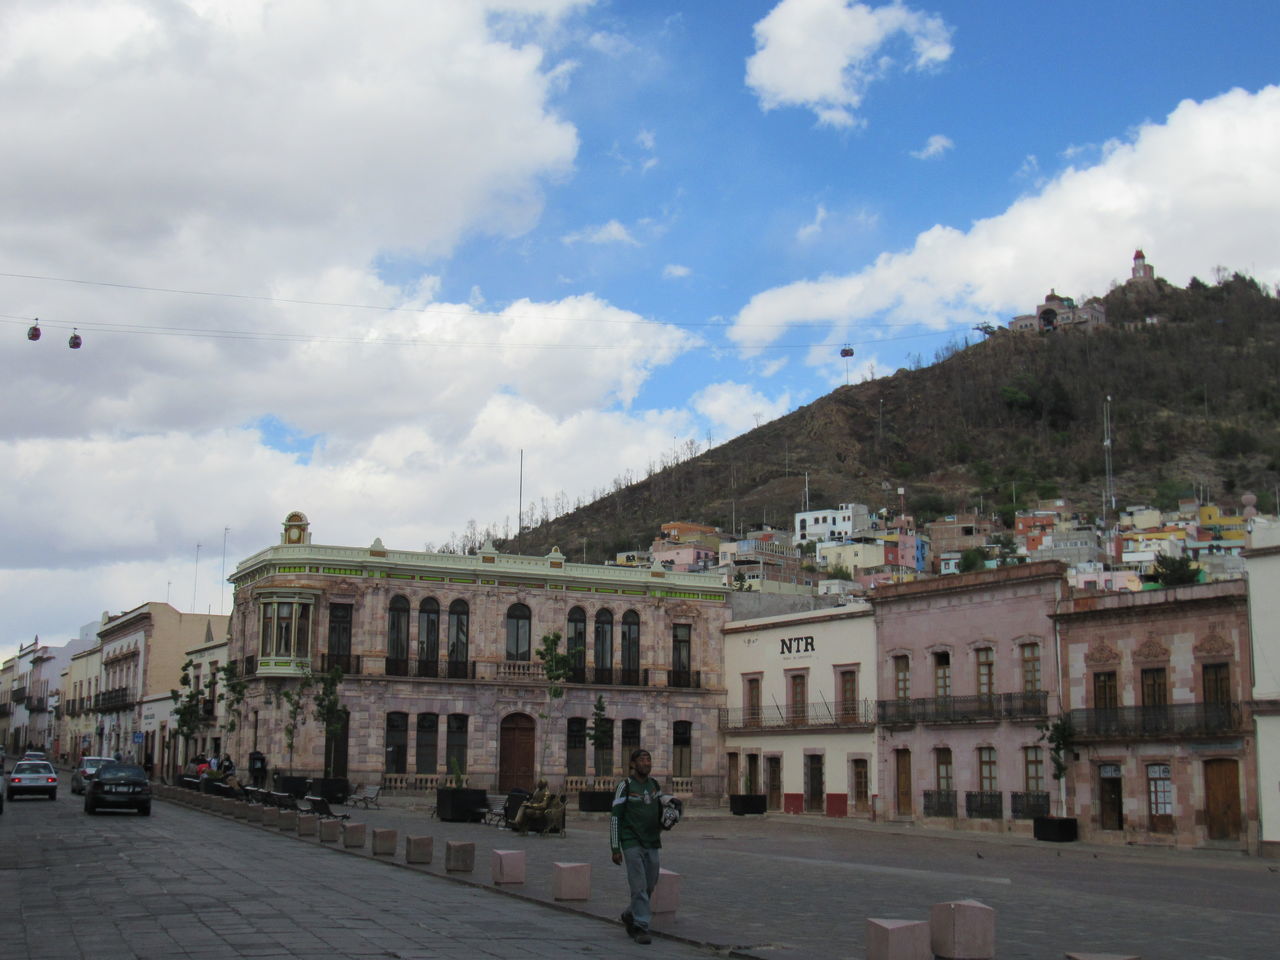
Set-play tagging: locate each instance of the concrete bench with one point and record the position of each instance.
(307, 824)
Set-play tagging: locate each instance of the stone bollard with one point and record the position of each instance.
(459, 856)
(384, 843)
(353, 834)
(963, 930)
(307, 824)
(898, 940)
(288, 820)
(270, 816)
(666, 895)
(418, 849)
(254, 813)
(330, 831)
(508, 866)
(571, 881)
(241, 810)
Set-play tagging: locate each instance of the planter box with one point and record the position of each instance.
(333, 789)
(461, 804)
(1055, 829)
(741, 804)
(595, 801)
(295, 787)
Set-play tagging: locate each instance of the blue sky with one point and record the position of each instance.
(440, 234)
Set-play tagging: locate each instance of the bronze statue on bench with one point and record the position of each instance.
(543, 812)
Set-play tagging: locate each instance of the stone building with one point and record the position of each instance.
(967, 670)
(1156, 685)
(799, 724)
(440, 673)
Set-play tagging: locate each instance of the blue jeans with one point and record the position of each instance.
(642, 876)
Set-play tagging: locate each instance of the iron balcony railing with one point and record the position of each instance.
(431, 669)
(19, 694)
(979, 708)
(849, 713)
(37, 705)
(1158, 722)
(1029, 805)
(984, 805)
(112, 699)
(348, 663)
(685, 678)
(940, 803)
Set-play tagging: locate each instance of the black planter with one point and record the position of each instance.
(461, 804)
(295, 787)
(595, 801)
(333, 789)
(1056, 829)
(741, 804)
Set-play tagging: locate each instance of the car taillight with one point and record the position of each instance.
(53, 779)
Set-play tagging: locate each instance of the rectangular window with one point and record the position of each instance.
(340, 631)
(943, 771)
(604, 748)
(630, 736)
(1105, 694)
(427, 748)
(861, 784)
(752, 716)
(576, 747)
(902, 677)
(455, 747)
(986, 672)
(987, 770)
(1160, 797)
(681, 642)
(942, 674)
(1155, 688)
(1217, 683)
(849, 694)
(1031, 667)
(798, 698)
(682, 749)
(1033, 762)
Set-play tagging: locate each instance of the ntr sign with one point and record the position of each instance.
(796, 645)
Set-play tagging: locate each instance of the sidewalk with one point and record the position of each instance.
(803, 886)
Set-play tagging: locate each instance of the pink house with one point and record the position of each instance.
(967, 670)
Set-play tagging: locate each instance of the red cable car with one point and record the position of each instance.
(74, 340)
(33, 331)
(846, 352)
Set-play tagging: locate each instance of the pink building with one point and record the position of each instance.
(1157, 684)
(967, 668)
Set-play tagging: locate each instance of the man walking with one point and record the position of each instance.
(635, 836)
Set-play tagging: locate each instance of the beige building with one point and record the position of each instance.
(440, 672)
(799, 721)
(1263, 563)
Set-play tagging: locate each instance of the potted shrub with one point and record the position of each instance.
(741, 804)
(1060, 736)
(456, 803)
(599, 733)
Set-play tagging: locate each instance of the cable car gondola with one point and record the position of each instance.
(33, 331)
(74, 340)
(846, 352)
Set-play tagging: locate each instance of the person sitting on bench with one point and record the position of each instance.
(532, 810)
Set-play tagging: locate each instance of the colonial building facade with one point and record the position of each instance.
(440, 674)
(967, 672)
(1157, 684)
(799, 724)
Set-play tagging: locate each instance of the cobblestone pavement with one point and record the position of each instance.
(778, 886)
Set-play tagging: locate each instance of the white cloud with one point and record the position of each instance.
(1170, 189)
(734, 408)
(611, 232)
(824, 54)
(646, 139)
(935, 146)
(813, 227)
(673, 271)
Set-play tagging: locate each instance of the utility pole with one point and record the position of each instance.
(195, 579)
(222, 583)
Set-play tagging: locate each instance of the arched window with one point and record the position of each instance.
(576, 645)
(631, 648)
(604, 647)
(398, 637)
(682, 749)
(459, 618)
(575, 757)
(428, 638)
(518, 621)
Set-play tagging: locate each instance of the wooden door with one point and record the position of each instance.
(815, 788)
(1110, 801)
(1222, 799)
(731, 785)
(904, 783)
(774, 767)
(515, 753)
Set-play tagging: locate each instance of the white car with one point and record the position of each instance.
(31, 776)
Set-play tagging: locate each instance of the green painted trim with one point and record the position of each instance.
(606, 589)
(555, 586)
(578, 589)
(487, 583)
(462, 579)
(342, 571)
(635, 593)
(423, 576)
(400, 576)
(291, 569)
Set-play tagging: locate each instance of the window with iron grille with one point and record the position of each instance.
(576, 747)
(902, 677)
(943, 770)
(1030, 667)
(987, 769)
(1159, 790)
(1033, 764)
(986, 671)
(942, 674)
(861, 783)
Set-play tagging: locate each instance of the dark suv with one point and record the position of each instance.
(118, 785)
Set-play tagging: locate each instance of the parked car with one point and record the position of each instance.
(118, 785)
(34, 755)
(84, 772)
(31, 776)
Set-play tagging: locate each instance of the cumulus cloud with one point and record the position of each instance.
(823, 55)
(611, 232)
(674, 271)
(935, 146)
(734, 408)
(1169, 189)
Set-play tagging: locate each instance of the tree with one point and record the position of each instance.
(189, 713)
(556, 667)
(740, 582)
(1175, 571)
(839, 571)
(1060, 735)
(600, 733)
(296, 700)
(975, 558)
(233, 696)
(329, 713)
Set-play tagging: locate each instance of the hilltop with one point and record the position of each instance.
(997, 424)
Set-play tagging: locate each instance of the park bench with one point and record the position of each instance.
(320, 807)
(365, 797)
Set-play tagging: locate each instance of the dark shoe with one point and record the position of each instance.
(630, 922)
(642, 936)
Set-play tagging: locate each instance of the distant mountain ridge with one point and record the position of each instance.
(996, 424)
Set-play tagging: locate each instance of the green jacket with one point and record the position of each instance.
(635, 820)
